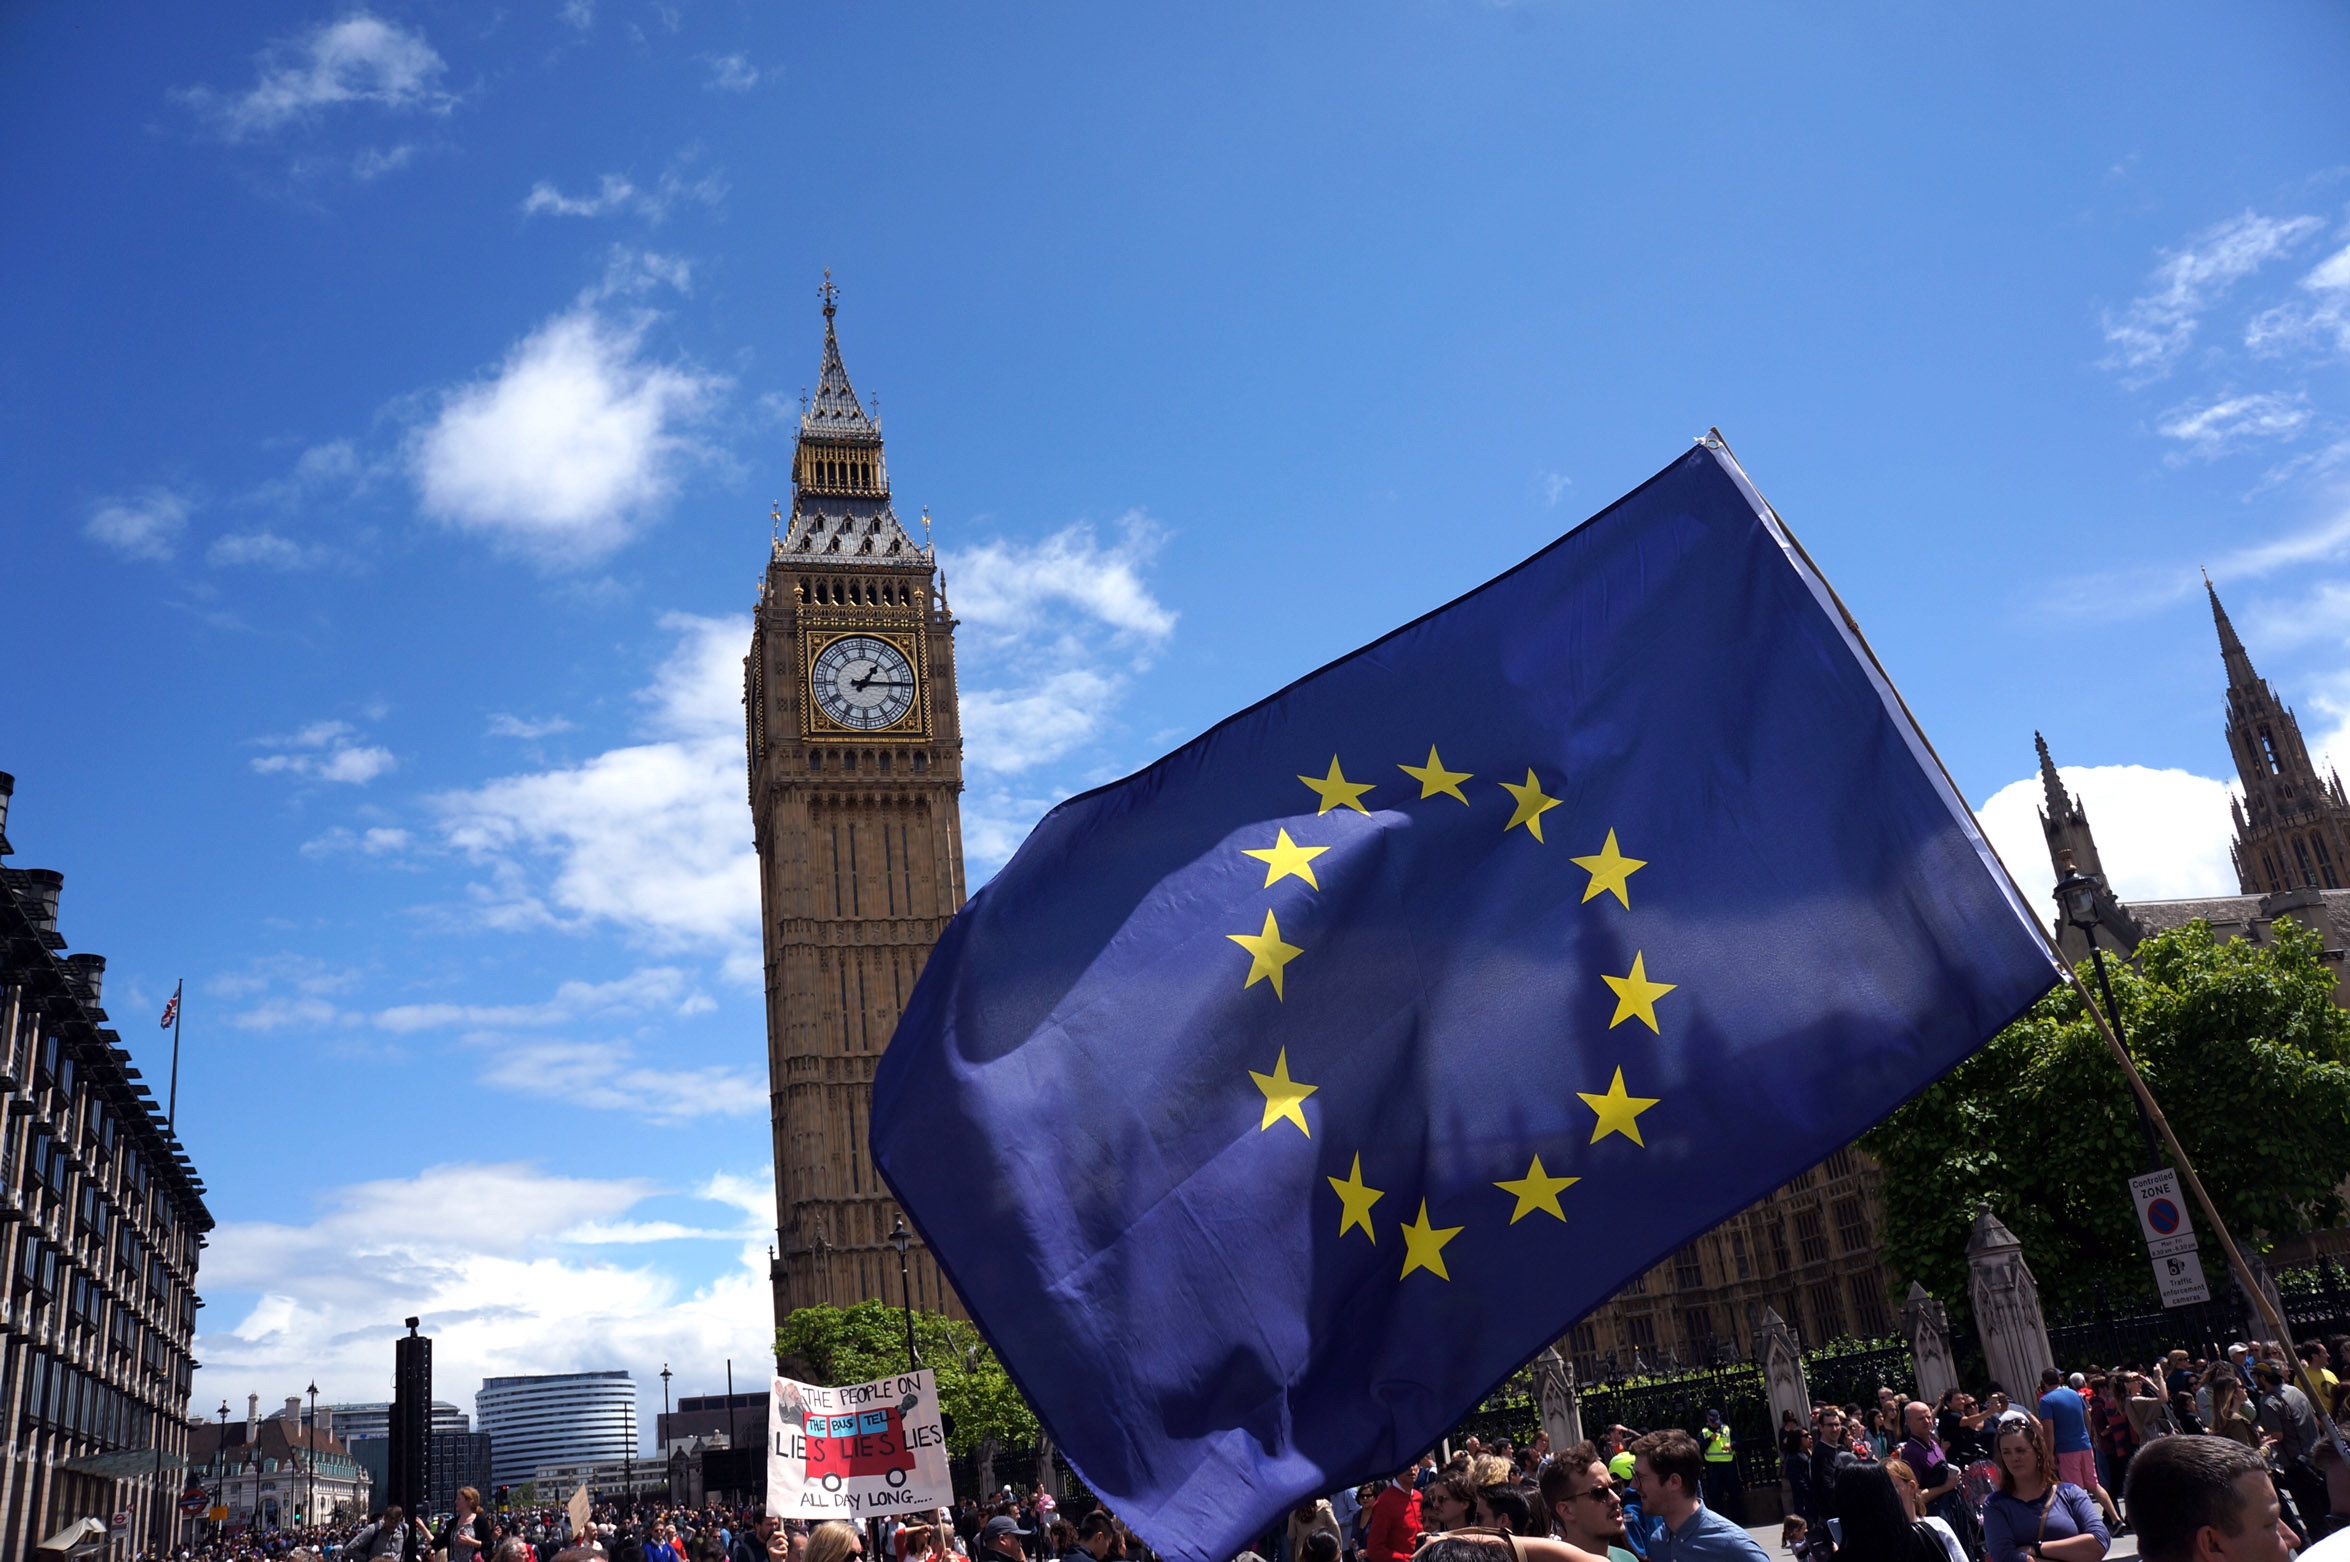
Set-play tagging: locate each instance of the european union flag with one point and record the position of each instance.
(1275, 1103)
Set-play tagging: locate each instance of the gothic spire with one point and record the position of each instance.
(836, 410)
(2059, 802)
(2231, 649)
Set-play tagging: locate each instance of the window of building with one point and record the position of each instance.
(1697, 1327)
(1640, 1330)
(1868, 1307)
(1852, 1225)
(1840, 1164)
(1738, 1254)
(1827, 1312)
(1778, 1230)
(2301, 850)
(1636, 1286)
(1810, 1239)
(1583, 1341)
(1688, 1269)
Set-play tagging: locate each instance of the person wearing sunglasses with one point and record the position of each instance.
(1586, 1509)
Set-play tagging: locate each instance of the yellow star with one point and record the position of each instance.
(1636, 995)
(1609, 871)
(1537, 1190)
(1618, 1113)
(1434, 778)
(1266, 954)
(1336, 791)
(1532, 805)
(1423, 1245)
(1285, 859)
(1284, 1097)
(1356, 1201)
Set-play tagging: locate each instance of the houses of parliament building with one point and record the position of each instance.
(855, 768)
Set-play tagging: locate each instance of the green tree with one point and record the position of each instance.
(854, 1344)
(2241, 1043)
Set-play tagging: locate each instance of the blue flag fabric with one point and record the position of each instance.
(1272, 1105)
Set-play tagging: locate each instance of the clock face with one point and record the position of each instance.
(863, 682)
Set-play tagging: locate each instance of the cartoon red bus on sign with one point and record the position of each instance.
(864, 1442)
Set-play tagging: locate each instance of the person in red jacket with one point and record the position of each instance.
(1395, 1520)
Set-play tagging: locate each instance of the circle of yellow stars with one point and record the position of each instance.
(1616, 1109)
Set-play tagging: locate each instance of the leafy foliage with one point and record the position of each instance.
(2243, 1047)
(854, 1344)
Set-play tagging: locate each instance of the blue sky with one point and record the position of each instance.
(393, 399)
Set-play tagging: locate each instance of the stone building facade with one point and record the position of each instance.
(102, 1219)
(276, 1473)
(1807, 1251)
(856, 771)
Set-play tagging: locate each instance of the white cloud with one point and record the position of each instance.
(653, 838)
(501, 1263)
(650, 987)
(2213, 429)
(1004, 588)
(505, 726)
(380, 841)
(324, 751)
(2162, 834)
(608, 1076)
(731, 73)
(1054, 632)
(140, 526)
(561, 451)
(375, 162)
(263, 549)
(282, 1013)
(2321, 322)
(2159, 325)
(359, 59)
(618, 195)
(580, 13)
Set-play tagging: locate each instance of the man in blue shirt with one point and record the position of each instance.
(2067, 1415)
(1667, 1469)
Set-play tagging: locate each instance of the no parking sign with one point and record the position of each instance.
(2170, 1238)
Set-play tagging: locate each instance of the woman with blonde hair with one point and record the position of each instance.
(2033, 1514)
(834, 1541)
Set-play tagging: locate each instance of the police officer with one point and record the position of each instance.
(1721, 1468)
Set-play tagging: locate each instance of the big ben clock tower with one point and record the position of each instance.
(856, 761)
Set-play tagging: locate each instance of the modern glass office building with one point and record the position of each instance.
(557, 1418)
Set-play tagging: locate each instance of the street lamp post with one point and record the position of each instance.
(2076, 897)
(220, 1472)
(900, 1238)
(310, 1447)
(661, 1429)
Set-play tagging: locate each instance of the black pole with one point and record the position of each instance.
(733, 1458)
(2113, 1012)
(906, 1305)
(220, 1472)
(310, 1503)
(171, 1111)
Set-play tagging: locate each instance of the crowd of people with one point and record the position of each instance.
(2235, 1460)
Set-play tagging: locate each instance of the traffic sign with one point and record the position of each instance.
(194, 1501)
(2179, 1277)
(219, 1515)
(120, 1521)
(2162, 1212)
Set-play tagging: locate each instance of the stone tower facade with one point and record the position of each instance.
(856, 766)
(2065, 823)
(2292, 825)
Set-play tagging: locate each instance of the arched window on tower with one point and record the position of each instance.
(2325, 863)
(2268, 751)
(2301, 850)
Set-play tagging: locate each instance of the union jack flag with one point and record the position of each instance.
(171, 1010)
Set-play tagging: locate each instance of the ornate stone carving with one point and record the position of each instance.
(1781, 1355)
(2007, 1307)
(1554, 1390)
(1926, 1323)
